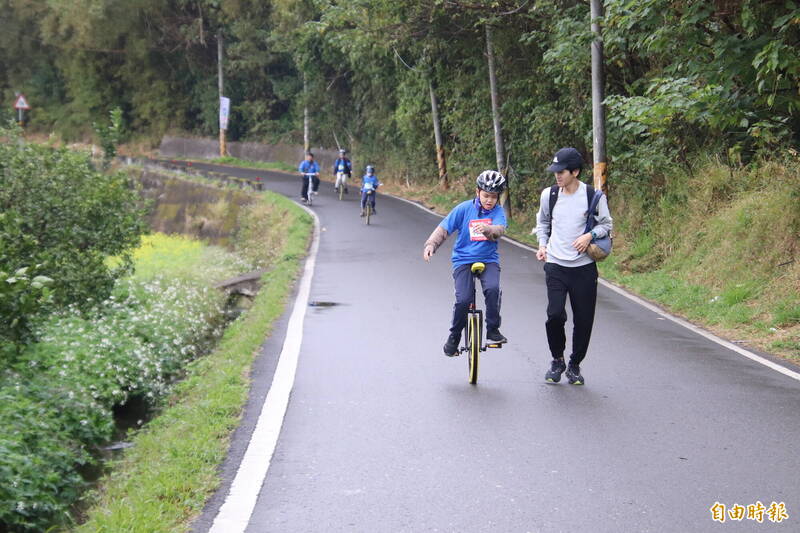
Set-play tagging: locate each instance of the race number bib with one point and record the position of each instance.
(474, 234)
(368, 186)
(341, 168)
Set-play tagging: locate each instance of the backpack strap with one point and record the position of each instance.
(553, 199)
(594, 202)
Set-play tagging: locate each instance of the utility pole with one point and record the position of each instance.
(437, 134)
(499, 146)
(223, 147)
(306, 142)
(598, 95)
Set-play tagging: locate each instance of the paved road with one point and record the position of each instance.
(384, 434)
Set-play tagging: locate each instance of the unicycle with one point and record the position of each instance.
(473, 332)
(341, 179)
(310, 192)
(368, 207)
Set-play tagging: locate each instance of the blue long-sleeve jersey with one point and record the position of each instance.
(370, 183)
(308, 167)
(343, 165)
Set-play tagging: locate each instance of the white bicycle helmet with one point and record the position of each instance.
(491, 181)
(370, 168)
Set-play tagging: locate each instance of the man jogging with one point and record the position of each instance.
(568, 269)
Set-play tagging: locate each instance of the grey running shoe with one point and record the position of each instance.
(574, 375)
(557, 368)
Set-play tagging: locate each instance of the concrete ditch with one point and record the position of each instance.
(204, 148)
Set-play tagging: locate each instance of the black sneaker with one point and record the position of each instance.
(574, 374)
(557, 367)
(451, 346)
(495, 336)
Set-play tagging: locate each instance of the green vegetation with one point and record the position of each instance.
(94, 341)
(164, 480)
(59, 396)
(721, 249)
(59, 221)
(235, 161)
(683, 77)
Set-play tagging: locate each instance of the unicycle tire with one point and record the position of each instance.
(473, 345)
(341, 190)
(369, 213)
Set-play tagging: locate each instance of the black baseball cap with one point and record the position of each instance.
(568, 158)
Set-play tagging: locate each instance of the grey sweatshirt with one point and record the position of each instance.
(568, 222)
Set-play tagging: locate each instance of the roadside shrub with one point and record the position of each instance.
(56, 401)
(21, 297)
(61, 214)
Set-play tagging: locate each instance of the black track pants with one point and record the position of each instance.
(580, 283)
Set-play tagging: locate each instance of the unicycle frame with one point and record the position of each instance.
(368, 207)
(310, 191)
(473, 332)
(341, 182)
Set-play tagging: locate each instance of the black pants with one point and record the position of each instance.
(580, 283)
(304, 188)
(465, 289)
(367, 197)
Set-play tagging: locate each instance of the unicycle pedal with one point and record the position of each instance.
(495, 345)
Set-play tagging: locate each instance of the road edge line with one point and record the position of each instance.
(235, 512)
(652, 307)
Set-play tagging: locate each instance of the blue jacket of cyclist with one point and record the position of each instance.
(479, 223)
(342, 169)
(308, 166)
(343, 164)
(369, 186)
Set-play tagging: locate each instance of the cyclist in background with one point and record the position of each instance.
(342, 169)
(369, 186)
(309, 167)
(480, 222)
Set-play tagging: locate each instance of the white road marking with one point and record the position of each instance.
(234, 515)
(686, 324)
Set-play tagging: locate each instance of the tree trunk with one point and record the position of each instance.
(598, 95)
(499, 146)
(437, 134)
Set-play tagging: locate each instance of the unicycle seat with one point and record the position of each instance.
(477, 268)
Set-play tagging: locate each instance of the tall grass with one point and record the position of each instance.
(722, 249)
